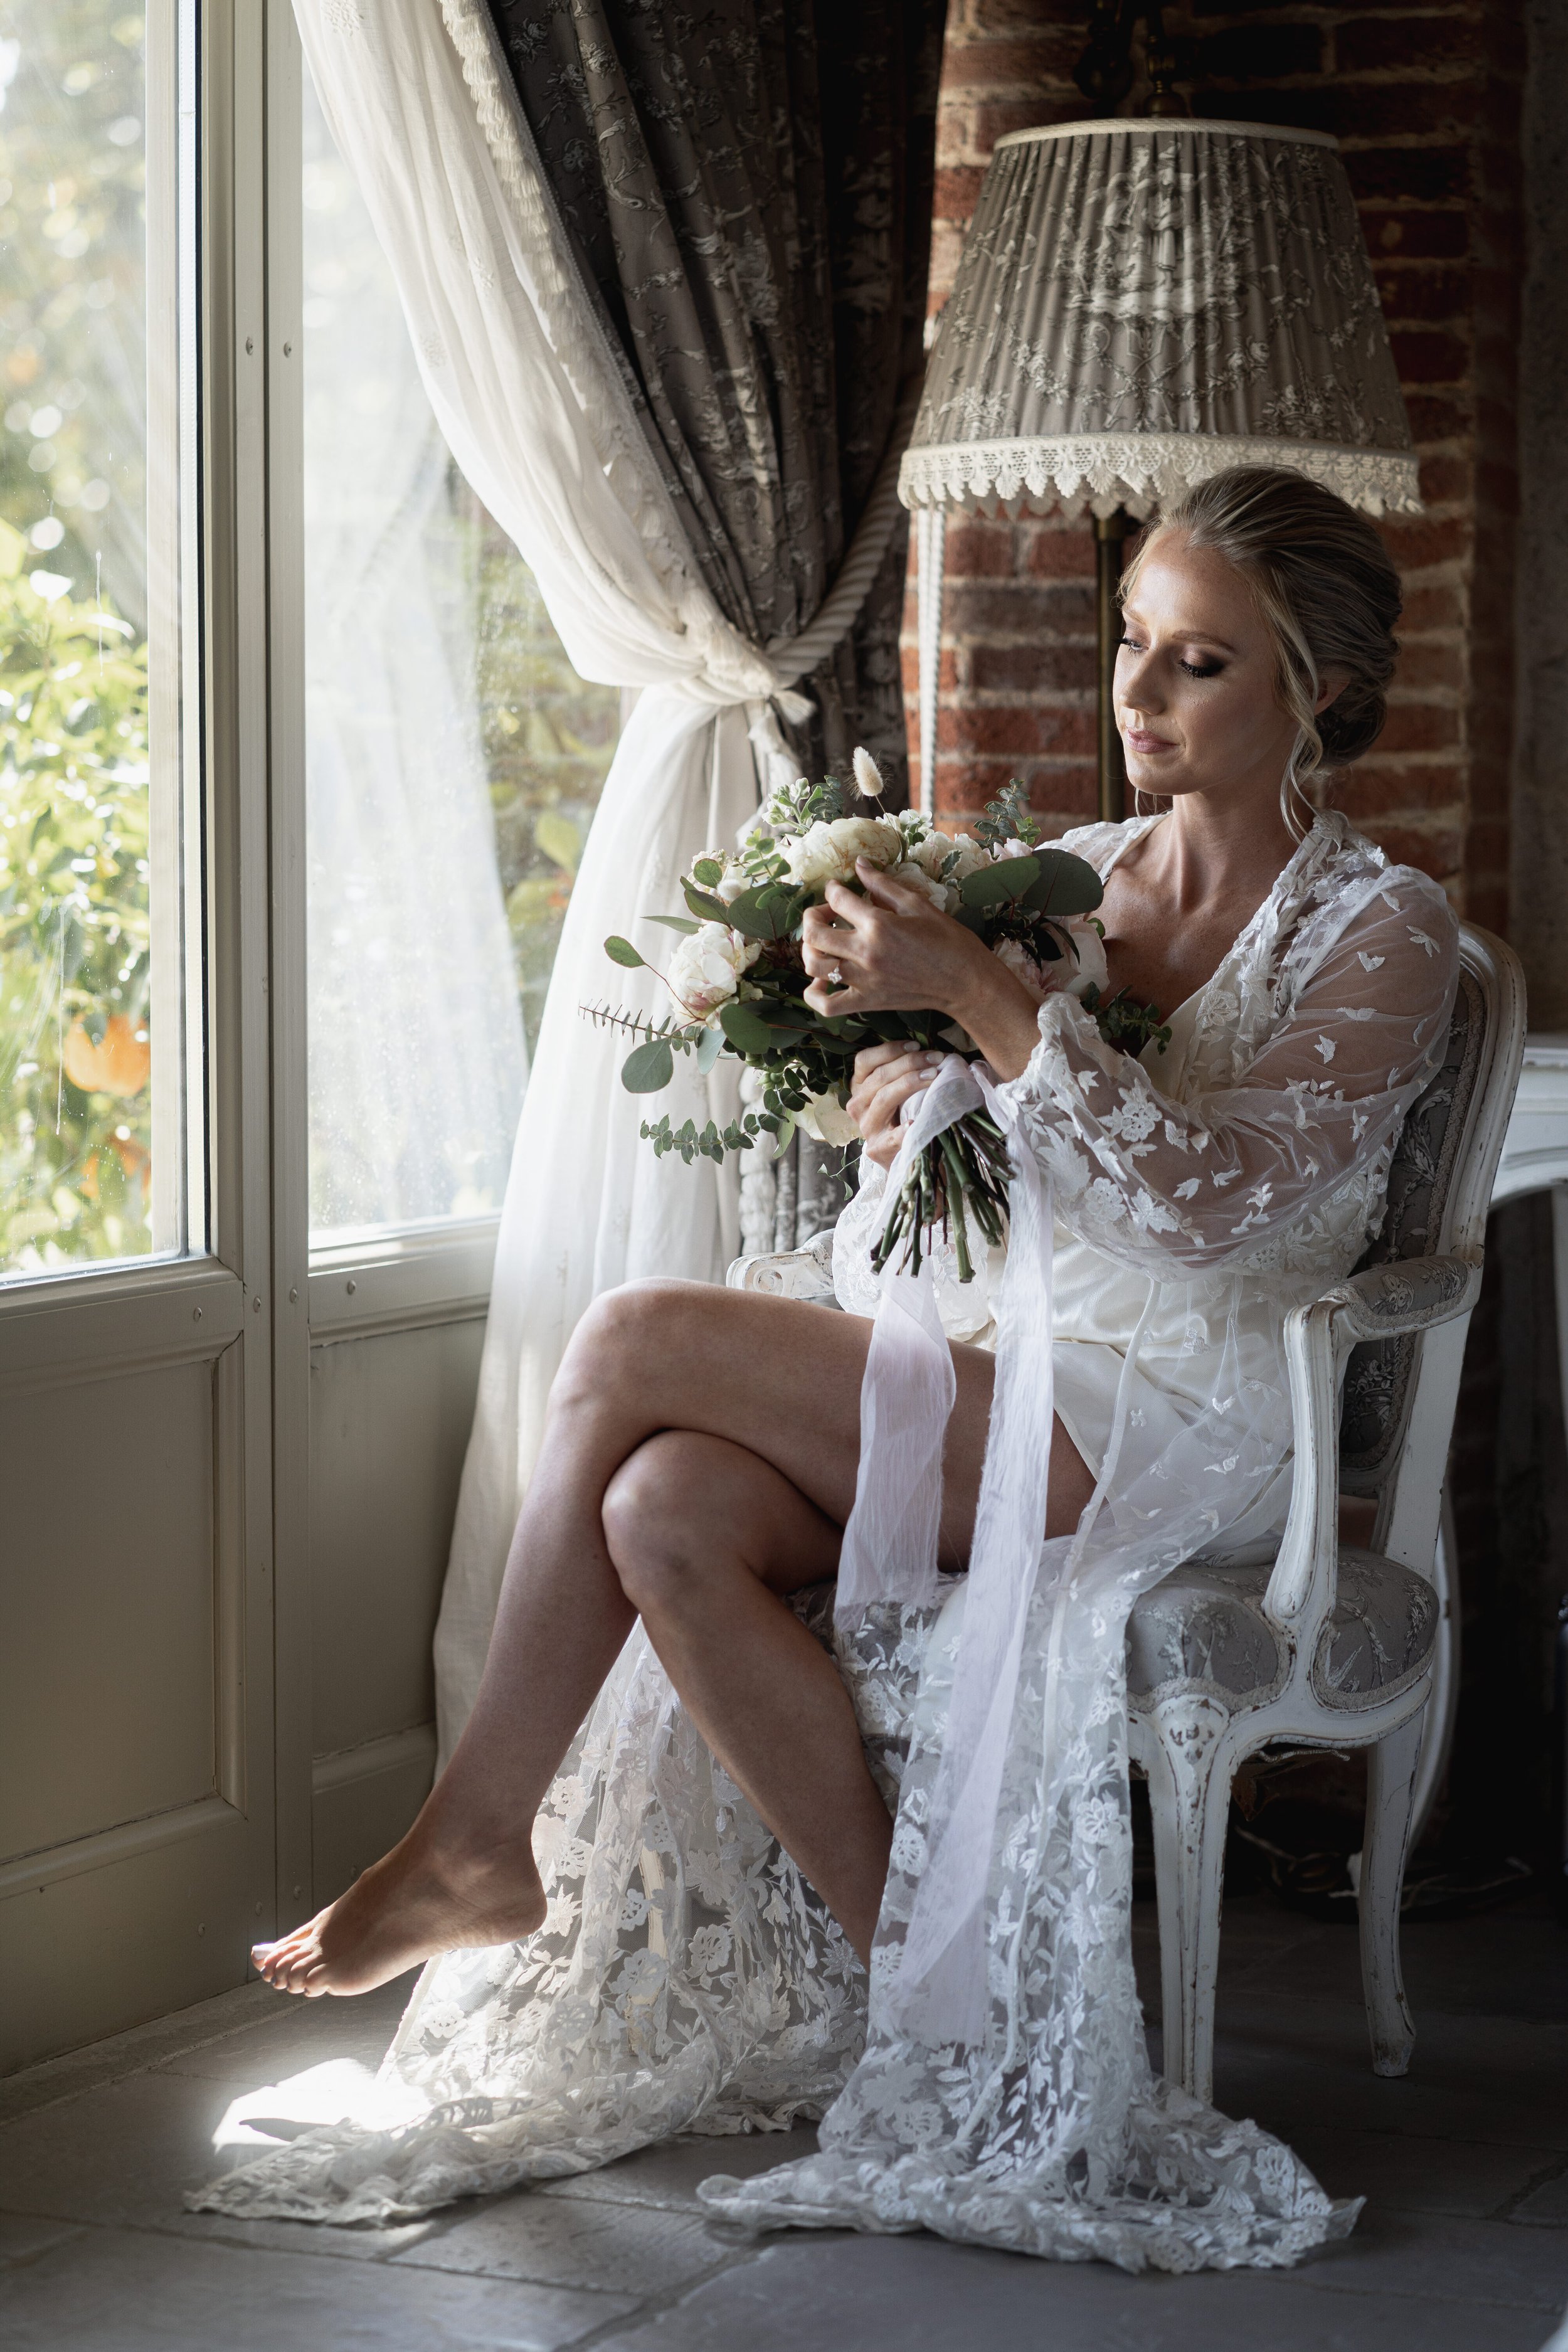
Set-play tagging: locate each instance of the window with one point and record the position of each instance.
(453, 762)
(97, 376)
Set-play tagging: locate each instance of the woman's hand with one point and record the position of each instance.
(893, 952)
(886, 1078)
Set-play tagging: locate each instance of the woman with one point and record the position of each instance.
(701, 1461)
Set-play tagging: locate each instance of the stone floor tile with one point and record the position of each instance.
(1546, 2207)
(670, 2173)
(130, 2054)
(1470, 2077)
(127, 2153)
(635, 2249)
(894, 2294)
(23, 2235)
(1396, 2253)
(132, 2291)
(293, 2034)
(1417, 2173)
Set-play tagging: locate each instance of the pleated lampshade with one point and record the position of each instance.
(1141, 303)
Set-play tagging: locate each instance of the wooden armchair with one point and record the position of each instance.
(1326, 1644)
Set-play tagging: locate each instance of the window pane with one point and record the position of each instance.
(453, 761)
(93, 249)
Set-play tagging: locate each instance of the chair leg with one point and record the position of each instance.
(1390, 1796)
(1189, 1797)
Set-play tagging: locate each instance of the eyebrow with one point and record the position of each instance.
(1191, 637)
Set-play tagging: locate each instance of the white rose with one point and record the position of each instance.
(915, 877)
(705, 970)
(826, 853)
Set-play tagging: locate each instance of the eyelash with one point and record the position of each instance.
(1193, 669)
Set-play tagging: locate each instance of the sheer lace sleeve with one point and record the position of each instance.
(1216, 1181)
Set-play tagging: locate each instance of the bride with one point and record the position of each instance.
(666, 1884)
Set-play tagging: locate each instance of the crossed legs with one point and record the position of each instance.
(698, 1466)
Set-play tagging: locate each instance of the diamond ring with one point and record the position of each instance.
(837, 977)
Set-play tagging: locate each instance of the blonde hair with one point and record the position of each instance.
(1328, 595)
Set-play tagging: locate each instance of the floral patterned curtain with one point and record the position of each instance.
(746, 186)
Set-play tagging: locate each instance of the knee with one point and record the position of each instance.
(619, 1340)
(651, 1521)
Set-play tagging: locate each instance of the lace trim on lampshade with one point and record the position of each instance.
(1142, 470)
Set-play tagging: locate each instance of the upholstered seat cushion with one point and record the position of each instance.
(1205, 1624)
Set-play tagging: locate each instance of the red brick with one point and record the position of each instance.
(1416, 235)
(1377, 110)
(1367, 792)
(1010, 608)
(1426, 175)
(1419, 727)
(1415, 544)
(1383, 45)
(1427, 610)
(1424, 666)
(1429, 355)
(1044, 60)
(1444, 480)
(1293, 110)
(994, 117)
(977, 548)
(957, 190)
(909, 669)
(1423, 291)
(1009, 732)
(1439, 416)
(1439, 853)
(1061, 554)
(1032, 669)
(1260, 52)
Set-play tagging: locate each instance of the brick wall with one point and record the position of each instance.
(1424, 100)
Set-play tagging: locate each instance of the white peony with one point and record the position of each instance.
(826, 1118)
(826, 853)
(936, 850)
(705, 970)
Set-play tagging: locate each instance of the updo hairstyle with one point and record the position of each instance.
(1328, 595)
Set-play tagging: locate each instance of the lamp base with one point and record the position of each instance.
(1110, 534)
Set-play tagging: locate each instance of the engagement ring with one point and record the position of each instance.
(837, 977)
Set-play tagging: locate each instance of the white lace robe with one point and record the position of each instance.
(685, 1978)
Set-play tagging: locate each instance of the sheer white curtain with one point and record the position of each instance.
(531, 405)
(417, 1060)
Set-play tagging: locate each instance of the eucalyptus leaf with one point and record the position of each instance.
(675, 923)
(763, 914)
(1066, 885)
(709, 1046)
(622, 952)
(649, 1068)
(708, 871)
(746, 1030)
(703, 903)
(994, 885)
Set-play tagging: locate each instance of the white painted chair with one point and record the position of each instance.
(1325, 1646)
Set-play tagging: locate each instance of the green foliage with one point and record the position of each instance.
(74, 1159)
(1125, 1023)
(548, 738)
(72, 264)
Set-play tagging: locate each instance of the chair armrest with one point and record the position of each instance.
(1414, 1294)
(806, 1272)
(1383, 1302)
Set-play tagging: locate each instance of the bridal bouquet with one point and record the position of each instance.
(738, 983)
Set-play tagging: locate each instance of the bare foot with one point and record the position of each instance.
(403, 1910)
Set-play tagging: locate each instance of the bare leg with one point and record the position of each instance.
(778, 1383)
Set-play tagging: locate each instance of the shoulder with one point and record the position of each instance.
(1101, 844)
